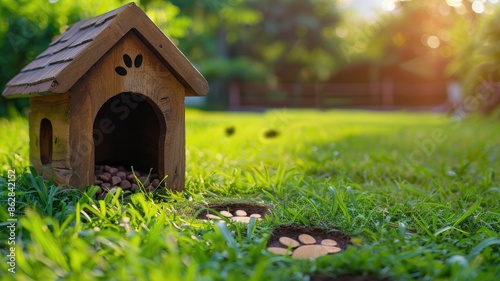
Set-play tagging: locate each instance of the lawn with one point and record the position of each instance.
(417, 194)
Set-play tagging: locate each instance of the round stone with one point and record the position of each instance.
(155, 182)
(113, 171)
(115, 180)
(212, 216)
(289, 242)
(332, 250)
(241, 219)
(144, 180)
(103, 178)
(311, 251)
(279, 251)
(307, 239)
(328, 242)
(125, 184)
(122, 175)
(240, 213)
(255, 216)
(226, 214)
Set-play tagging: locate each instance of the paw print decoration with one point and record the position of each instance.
(122, 71)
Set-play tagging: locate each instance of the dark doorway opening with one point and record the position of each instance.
(128, 132)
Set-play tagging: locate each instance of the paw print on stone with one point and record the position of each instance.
(122, 71)
(306, 248)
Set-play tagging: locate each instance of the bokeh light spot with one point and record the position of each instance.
(433, 42)
(454, 3)
(478, 7)
(388, 5)
(341, 32)
(444, 9)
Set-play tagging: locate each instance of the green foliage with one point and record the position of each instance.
(418, 194)
(476, 65)
(225, 39)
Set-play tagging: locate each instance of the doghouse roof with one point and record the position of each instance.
(75, 51)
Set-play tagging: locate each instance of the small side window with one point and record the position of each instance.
(46, 141)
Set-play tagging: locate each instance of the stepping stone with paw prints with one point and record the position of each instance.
(236, 212)
(305, 243)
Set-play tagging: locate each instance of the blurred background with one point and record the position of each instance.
(258, 54)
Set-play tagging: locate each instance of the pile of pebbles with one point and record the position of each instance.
(307, 247)
(108, 177)
(237, 216)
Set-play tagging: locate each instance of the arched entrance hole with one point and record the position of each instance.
(128, 132)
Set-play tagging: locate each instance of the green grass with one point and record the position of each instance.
(418, 193)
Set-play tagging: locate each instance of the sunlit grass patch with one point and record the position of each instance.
(417, 193)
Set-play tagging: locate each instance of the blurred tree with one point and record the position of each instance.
(416, 40)
(296, 39)
(216, 30)
(285, 40)
(477, 63)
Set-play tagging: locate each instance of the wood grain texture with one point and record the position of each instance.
(54, 108)
(151, 80)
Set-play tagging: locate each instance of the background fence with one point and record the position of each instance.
(387, 94)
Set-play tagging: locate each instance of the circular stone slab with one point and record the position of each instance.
(332, 250)
(311, 251)
(255, 216)
(226, 214)
(279, 251)
(289, 242)
(259, 210)
(330, 238)
(328, 242)
(241, 219)
(307, 239)
(240, 213)
(212, 216)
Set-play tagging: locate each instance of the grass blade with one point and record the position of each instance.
(251, 227)
(353, 199)
(468, 213)
(221, 226)
(479, 247)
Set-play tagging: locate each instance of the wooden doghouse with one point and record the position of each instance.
(108, 91)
